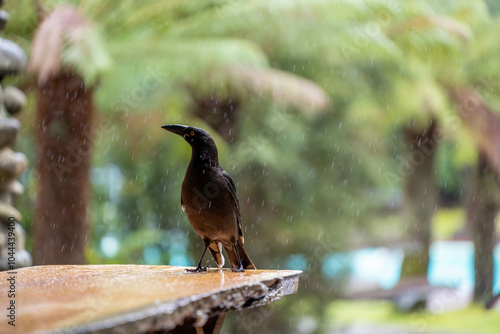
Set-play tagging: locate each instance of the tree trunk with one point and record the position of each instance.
(420, 197)
(482, 207)
(482, 212)
(469, 179)
(64, 140)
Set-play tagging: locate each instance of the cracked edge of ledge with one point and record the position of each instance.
(168, 315)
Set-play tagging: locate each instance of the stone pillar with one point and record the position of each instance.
(12, 100)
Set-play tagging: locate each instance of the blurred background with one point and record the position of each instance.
(362, 137)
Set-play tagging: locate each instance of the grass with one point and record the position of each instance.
(471, 320)
(446, 222)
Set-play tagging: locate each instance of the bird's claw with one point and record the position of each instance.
(197, 269)
(238, 270)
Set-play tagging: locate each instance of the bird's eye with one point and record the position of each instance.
(192, 133)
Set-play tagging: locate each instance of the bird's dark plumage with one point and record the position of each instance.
(209, 198)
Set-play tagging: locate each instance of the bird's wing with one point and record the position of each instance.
(236, 204)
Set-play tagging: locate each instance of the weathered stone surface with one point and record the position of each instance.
(12, 61)
(3, 248)
(20, 238)
(14, 99)
(4, 18)
(7, 211)
(12, 58)
(22, 257)
(134, 298)
(6, 198)
(8, 131)
(12, 164)
(12, 186)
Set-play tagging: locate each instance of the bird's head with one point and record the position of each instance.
(200, 140)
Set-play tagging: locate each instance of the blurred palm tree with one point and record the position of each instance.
(214, 74)
(436, 69)
(246, 67)
(67, 56)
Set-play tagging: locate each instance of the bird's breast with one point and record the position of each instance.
(204, 192)
(208, 205)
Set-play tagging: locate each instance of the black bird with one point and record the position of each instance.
(209, 198)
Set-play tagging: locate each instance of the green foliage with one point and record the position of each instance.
(321, 90)
(382, 313)
(87, 57)
(494, 6)
(22, 23)
(447, 223)
(449, 163)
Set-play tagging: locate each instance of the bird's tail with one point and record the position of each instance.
(215, 249)
(233, 257)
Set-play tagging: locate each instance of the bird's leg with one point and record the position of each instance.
(240, 269)
(199, 267)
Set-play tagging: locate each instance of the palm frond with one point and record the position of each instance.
(66, 39)
(281, 87)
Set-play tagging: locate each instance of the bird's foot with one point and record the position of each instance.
(197, 269)
(238, 270)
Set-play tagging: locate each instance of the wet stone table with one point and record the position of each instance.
(133, 298)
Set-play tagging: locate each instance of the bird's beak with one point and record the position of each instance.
(174, 128)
